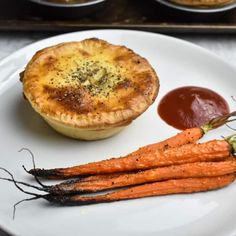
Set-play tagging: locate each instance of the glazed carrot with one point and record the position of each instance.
(215, 150)
(190, 170)
(189, 185)
(185, 137)
(113, 175)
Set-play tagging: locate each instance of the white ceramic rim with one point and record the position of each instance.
(198, 10)
(72, 5)
(135, 32)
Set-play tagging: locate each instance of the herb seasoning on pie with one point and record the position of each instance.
(89, 89)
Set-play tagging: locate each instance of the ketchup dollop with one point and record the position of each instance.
(191, 106)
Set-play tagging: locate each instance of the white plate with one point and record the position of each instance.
(177, 63)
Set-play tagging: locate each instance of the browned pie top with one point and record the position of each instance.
(89, 83)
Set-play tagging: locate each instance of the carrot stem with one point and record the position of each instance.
(217, 122)
(232, 141)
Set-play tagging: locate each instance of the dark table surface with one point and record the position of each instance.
(132, 14)
(3, 234)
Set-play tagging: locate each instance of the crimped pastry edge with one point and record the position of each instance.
(83, 134)
(104, 120)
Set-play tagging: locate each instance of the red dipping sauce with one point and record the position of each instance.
(191, 106)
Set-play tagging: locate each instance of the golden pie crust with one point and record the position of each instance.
(89, 89)
(202, 3)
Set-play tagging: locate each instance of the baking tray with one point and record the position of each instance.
(146, 15)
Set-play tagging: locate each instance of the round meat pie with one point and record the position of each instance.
(90, 89)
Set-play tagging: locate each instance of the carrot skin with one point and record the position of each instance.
(100, 177)
(189, 185)
(190, 170)
(185, 137)
(214, 150)
(113, 175)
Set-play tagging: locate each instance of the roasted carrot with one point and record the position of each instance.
(177, 186)
(189, 185)
(215, 150)
(99, 177)
(113, 175)
(112, 181)
(190, 170)
(185, 137)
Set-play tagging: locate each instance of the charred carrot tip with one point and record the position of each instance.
(44, 173)
(67, 200)
(54, 174)
(59, 199)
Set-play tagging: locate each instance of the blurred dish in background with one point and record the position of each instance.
(200, 6)
(202, 3)
(70, 1)
(67, 8)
